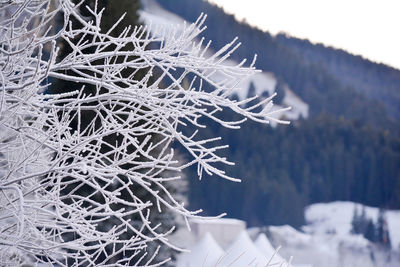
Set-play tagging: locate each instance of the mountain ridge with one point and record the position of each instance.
(315, 84)
(376, 80)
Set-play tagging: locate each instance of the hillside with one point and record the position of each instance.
(320, 89)
(346, 148)
(376, 81)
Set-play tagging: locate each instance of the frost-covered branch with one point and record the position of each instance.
(72, 162)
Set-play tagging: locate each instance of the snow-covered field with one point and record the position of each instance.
(326, 239)
(336, 216)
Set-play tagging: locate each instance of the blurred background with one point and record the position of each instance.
(327, 186)
(332, 177)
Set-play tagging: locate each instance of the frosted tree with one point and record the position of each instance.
(49, 151)
(112, 13)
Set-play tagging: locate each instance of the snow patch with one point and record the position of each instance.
(156, 16)
(262, 81)
(327, 241)
(337, 216)
(299, 107)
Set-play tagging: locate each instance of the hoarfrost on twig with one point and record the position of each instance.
(45, 161)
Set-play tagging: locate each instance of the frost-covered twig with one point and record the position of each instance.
(63, 177)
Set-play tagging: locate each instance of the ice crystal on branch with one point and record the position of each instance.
(65, 177)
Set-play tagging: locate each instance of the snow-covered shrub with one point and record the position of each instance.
(48, 152)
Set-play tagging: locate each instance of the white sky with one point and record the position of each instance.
(370, 28)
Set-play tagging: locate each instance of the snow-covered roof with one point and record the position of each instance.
(223, 230)
(218, 221)
(205, 253)
(243, 252)
(240, 250)
(264, 246)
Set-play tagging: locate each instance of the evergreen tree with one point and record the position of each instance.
(280, 92)
(382, 230)
(355, 222)
(370, 232)
(363, 220)
(359, 222)
(251, 91)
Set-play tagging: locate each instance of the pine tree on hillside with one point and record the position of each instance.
(382, 230)
(280, 91)
(355, 222)
(370, 232)
(251, 91)
(376, 233)
(359, 222)
(363, 220)
(363, 225)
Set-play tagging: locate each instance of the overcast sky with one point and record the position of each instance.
(363, 27)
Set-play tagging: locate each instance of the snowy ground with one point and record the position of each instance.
(336, 216)
(326, 239)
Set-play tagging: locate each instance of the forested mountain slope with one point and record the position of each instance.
(285, 168)
(347, 149)
(323, 91)
(376, 81)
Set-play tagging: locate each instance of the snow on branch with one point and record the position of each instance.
(68, 184)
